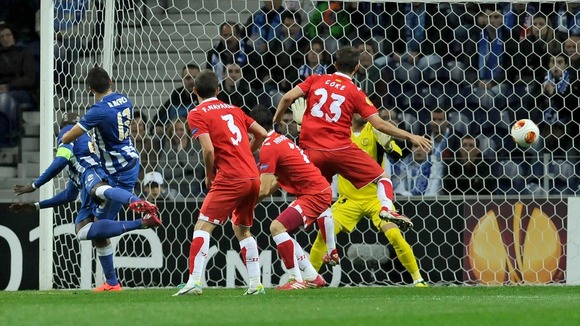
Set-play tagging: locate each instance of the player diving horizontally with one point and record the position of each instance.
(95, 220)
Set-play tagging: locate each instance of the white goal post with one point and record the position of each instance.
(503, 222)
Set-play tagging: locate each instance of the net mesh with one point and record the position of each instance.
(461, 73)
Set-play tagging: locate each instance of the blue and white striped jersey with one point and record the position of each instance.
(110, 119)
(84, 155)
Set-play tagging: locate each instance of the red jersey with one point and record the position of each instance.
(227, 126)
(296, 174)
(331, 101)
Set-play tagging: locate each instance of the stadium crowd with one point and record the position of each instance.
(461, 73)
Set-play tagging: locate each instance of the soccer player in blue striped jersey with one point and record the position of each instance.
(95, 221)
(110, 121)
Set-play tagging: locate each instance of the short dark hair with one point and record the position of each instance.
(4, 26)
(206, 83)
(98, 80)
(190, 66)
(346, 59)
(263, 116)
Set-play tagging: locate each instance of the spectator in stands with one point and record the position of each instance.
(331, 23)
(369, 19)
(231, 48)
(235, 89)
(495, 48)
(143, 143)
(567, 20)
(419, 174)
(285, 55)
(263, 25)
(446, 140)
(180, 102)
(559, 122)
(468, 174)
(368, 76)
(17, 85)
(518, 17)
(572, 49)
(416, 42)
(153, 187)
(67, 17)
(288, 127)
(315, 61)
(181, 160)
(535, 51)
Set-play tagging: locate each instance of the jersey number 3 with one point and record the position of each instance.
(335, 110)
(237, 134)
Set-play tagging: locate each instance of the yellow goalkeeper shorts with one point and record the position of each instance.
(348, 212)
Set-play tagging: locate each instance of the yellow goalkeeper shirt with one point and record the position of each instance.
(367, 141)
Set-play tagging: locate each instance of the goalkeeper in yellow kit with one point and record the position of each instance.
(353, 204)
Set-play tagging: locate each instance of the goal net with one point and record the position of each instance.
(486, 211)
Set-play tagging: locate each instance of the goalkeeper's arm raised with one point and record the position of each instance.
(389, 144)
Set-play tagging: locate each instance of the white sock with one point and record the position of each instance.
(308, 271)
(382, 193)
(199, 260)
(250, 246)
(329, 231)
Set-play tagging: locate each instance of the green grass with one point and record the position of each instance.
(509, 305)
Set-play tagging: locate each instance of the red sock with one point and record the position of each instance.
(193, 251)
(286, 252)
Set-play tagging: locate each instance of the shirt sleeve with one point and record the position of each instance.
(364, 106)
(268, 160)
(91, 119)
(307, 84)
(196, 123)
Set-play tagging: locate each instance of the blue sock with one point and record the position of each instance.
(104, 229)
(120, 195)
(108, 266)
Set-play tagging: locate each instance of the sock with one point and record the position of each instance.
(251, 258)
(285, 247)
(317, 252)
(404, 252)
(105, 229)
(306, 268)
(385, 192)
(120, 195)
(197, 254)
(326, 225)
(105, 255)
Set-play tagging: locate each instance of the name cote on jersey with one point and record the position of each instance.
(117, 102)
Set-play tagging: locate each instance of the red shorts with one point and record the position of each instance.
(310, 208)
(352, 163)
(235, 197)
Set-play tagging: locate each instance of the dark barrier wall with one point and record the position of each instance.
(437, 240)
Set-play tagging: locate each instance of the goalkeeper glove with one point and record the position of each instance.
(298, 108)
(394, 151)
(389, 145)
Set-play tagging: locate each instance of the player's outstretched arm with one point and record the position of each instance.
(63, 155)
(208, 158)
(23, 207)
(285, 102)
(259, 135)
(390, 129)
(72, 134)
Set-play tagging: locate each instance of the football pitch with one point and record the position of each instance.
(508, 305)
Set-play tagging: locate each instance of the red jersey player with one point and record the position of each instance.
(222, 129)
(283, 164)
(331, 100)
